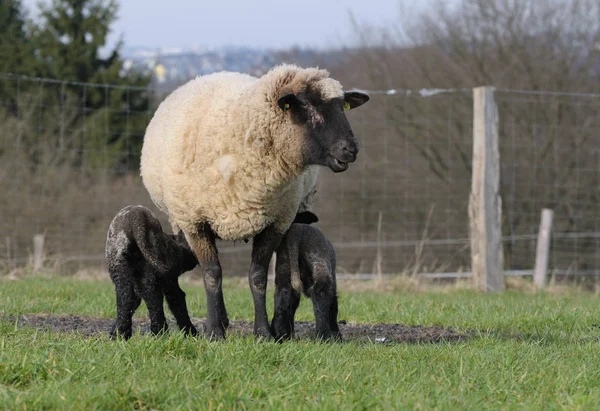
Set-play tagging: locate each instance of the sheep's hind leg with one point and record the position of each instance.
(263, 246)
(127, 302)
(203, 244)
(176, 299)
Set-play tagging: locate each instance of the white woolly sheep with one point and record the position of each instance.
(228, 156)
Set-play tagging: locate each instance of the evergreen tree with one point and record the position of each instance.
(16, 53)
(69, 44)
(70, 37)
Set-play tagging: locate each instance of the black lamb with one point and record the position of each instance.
(145, 263)
(305, 264)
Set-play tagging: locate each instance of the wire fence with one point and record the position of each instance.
(550, 151)
(69, 156)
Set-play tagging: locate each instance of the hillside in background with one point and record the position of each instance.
(173, 66)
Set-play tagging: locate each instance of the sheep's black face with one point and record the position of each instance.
(329, 138)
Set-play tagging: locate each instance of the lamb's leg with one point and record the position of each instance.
(176, 299)
(282, 326)
(263, 246)
(127, 302)
(203, 244)
(294, 303)
(153, 297)
(323, 296)
(333, 314)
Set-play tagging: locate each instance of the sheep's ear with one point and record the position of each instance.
(354, 99)
(287, 101)
(306, 217)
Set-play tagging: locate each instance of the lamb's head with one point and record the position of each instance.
(316, 106)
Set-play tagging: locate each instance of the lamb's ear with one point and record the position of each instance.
(354, 99)
(287, 101)
(306, 217)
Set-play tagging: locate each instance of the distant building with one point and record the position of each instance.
(159, 73)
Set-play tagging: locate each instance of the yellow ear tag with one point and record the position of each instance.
(286, 107)
(346, 106)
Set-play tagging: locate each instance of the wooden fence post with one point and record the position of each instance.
(543, 249)
(485, 204)
(38, 251)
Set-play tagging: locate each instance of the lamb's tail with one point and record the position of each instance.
(153, 252)
(156, 247)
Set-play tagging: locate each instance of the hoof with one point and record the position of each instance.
(159, 331)
(281, 329)
(281, 338)
(119, 336)
(190, 331)
(123, 333)
(214, 333)
(329, 336)
(263, 333)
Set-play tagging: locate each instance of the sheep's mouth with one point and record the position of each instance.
(337, 165)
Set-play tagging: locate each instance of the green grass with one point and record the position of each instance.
(532, 351)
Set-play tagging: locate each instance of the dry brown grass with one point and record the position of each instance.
(402, 283)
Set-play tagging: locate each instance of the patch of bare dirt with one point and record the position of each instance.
(381, 333)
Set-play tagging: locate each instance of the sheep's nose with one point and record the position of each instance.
(350, 149)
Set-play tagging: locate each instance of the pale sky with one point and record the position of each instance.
(255, 23)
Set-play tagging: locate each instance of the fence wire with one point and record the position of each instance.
(550, 158)
(69, 157)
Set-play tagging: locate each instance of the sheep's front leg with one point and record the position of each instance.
(263, 246)
(204, 246)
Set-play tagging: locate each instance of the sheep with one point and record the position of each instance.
(229, 156)
(305, 264)
(145, 262)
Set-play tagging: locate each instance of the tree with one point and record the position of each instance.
(69, 42)
(16, 54)
(69, 39)
(548, 140)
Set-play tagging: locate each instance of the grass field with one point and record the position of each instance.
(525, 350)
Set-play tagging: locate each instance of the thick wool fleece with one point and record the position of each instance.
(219, 150)
(309, 188)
